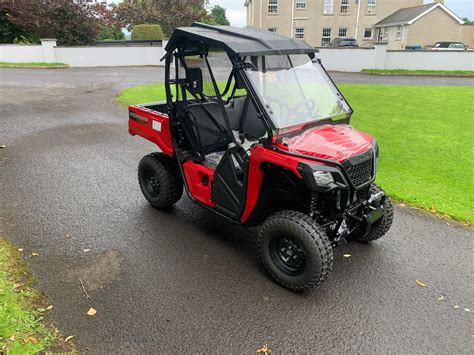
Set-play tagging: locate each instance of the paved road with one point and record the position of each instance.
(187, 281)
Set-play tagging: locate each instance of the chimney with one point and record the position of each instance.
(440, 1)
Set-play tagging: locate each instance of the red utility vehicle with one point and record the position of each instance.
(271, 147)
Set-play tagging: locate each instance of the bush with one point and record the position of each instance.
(147, 32)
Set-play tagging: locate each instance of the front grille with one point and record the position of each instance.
(360, 173)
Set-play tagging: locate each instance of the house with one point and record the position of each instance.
(320, 21)
(422, 25)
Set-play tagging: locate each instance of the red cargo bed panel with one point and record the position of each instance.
(151, 125)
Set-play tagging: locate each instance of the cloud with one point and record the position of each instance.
(236, 18)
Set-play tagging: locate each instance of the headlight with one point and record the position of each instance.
(375, 148)
(323, 178)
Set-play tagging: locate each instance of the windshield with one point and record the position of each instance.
(295, 90)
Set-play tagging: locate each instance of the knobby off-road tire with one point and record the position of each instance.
(159, 180)
(292, 227)
(382, 226)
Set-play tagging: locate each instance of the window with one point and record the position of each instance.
(399, 33)
(299, 33)
(326, 38)
(300, 4)
(345, 5)
(343, 32)
(368, 33)
(385, 34)
(272, 6)
(274, 30)
(371, 7)
(328, 7)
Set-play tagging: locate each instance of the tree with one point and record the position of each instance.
(109, 24)
(9, 32)
(179, 13)
(467, 21)
(70, 23)
(167, 13)
(218, 16)
(110, 33)
(131, 13)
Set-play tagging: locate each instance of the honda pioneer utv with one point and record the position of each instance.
(271, 146)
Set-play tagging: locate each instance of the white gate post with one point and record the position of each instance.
(47, 46)
(380, 55)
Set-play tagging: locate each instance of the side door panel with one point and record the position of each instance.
(229, 188)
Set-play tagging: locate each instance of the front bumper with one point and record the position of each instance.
(359, 219)
(374, 211)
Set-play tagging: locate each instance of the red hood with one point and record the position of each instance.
(334, 142)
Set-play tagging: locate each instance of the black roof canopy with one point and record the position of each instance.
(246, 41)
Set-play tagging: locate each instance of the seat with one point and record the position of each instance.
(244, 119)
(205, 126)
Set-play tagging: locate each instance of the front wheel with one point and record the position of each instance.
(295, 250)
(159, 180)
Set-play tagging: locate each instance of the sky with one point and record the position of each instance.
(236, 10)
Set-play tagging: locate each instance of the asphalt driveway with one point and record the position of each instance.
(188, 281)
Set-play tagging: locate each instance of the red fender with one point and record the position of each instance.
(259, 155)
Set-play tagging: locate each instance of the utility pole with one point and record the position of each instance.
(292, 27)
(357, 20)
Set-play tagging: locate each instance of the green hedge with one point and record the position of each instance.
(147, 32)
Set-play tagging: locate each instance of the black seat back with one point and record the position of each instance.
(205, 127)
(243, 117)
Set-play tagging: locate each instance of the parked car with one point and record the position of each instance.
(271, 148)
(449, 46)
(343, 43)
(414, 47)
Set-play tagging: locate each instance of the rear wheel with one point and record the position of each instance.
(159, 180)
(383, 225)
(295, 250)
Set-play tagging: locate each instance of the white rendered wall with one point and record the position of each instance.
(354, 60)
(109, 56)
(20, 53)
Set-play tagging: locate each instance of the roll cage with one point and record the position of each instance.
(196, 92)
(192, 90)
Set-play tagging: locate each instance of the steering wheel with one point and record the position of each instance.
(295, 112)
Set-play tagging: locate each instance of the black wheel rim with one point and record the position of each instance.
(287, 255)
(152, 184)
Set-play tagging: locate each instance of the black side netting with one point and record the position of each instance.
(197, 61)
(210, 118)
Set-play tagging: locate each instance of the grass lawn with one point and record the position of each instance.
(419, 72)
(425, 136)
(54, 65)
(21, 308)
(150, 93)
